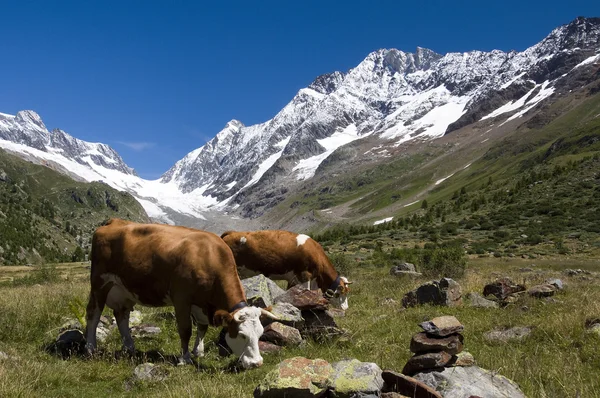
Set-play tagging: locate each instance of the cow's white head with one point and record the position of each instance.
(339, 297)
(243, 331)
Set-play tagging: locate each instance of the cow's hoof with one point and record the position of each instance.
(197, 354)
(186, 360)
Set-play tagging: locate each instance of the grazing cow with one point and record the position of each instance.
(159, 265)
(288, 256)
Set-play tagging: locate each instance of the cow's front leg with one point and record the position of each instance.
(122, 317)
(184, 327)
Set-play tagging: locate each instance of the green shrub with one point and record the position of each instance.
(443, 262)
(342, 263)
(41, 275)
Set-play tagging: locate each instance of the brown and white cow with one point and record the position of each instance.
(288, 256)
(159, 265)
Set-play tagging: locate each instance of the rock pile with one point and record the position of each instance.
(505, 291)
(446, 292)
(437, 346)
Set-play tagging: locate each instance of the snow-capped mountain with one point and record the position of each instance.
(392, 95)
(390, 98)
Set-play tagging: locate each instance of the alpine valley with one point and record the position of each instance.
(368, 145)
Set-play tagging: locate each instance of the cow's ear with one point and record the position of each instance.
(222, 318)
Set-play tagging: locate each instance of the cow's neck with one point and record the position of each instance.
(326, 278)
(230, 294)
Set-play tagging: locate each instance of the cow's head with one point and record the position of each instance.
(339, 297)
(243, 331)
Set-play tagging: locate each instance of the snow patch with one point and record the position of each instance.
(412, 203)
(438, 182)
(388, 219)
(587, 61)
(267, 163)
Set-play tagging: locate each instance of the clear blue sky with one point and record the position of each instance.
(157, 79)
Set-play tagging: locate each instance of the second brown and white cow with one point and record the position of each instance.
(288, 256)
(160, 265)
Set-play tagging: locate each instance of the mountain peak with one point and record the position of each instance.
(327, 83)
(29, 116)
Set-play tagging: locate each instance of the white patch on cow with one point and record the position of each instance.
(245, 344)
(301, 239)
(202, 325)
(243, 240)
(118, 295)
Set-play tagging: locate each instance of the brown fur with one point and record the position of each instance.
(154, 261)
(276, 252)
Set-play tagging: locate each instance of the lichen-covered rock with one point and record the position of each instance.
(505, 335)
(407, 386)
(421, 343)
(462, 382)
(303, 299)
(296, 377)
(353, 378)
(280, 334)
(150, 372)
(462, 359)
(432, 360)
(288, 315)
(445, 292)
(442, 326)
(261, 291)
(477, 300)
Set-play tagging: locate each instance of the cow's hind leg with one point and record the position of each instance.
(92, 316)
(202, 325)
(183, 316)
(122, 317)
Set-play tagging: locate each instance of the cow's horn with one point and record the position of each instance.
(237, 317)
(268, 314)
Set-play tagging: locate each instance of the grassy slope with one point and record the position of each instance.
(44, 210)
(558, 360)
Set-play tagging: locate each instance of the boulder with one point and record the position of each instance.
(422, 343)
(69, 342)
(557, 283)
(303, 299)
(296, 377)
(150, 372)
(502, 288)
(445, 292)
(505, 335)
(406, 385)
(461, 382)
(442, 326)
(352, 378)
(280, 334)
(402, 266)
(261, 291)
(540, 291)
(432, 360)
(477, 300)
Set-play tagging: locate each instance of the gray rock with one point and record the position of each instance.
(402, 267)
(442, 326)
(267, 348)
(296, 377)
(149, 372)
(280, 334)
(142, 331)
(477, 300)
(444, 292)
(461, 382)
(505, 335)
(557, 283)
(540, 291)
(422, 343)
(397, 383)
(102, 333)
(353, 378)
(421, 362)
(261, 291)
(502, 288)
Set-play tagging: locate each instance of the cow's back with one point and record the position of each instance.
(152, 260)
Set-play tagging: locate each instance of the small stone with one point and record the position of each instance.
(143, 331)
(403, 266)
(407, 386)
(463, 359)
(336, 312)
(150, 372)
(388, 301)
(280, 334)
(432, 360)
(505, 335)
(135, 318)
(353, 378)
(477, 300)
(422, 343)
(540, 291)
(442, 326)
